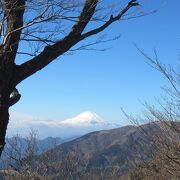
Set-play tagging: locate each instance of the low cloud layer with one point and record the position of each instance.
(83, 123)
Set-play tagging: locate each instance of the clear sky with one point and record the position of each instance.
(103, 82)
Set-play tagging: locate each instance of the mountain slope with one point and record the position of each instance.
(104, 150)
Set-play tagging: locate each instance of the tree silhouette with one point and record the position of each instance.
(51, 28)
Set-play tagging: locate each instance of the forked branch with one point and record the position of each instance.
(76, 35)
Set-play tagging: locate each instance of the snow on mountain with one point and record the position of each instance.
(72, 127)
(85, 119)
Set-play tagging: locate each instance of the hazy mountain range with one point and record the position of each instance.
(73, 127)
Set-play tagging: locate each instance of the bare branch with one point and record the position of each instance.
(111, 20)
(60, 47)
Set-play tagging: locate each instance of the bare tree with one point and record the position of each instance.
(165, 159)
(19, 156)
(52, 28)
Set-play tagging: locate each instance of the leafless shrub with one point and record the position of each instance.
(165, 162)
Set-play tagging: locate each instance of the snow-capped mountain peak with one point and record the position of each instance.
(85, 119)
(72, 127)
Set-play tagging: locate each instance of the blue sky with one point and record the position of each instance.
(104, 82)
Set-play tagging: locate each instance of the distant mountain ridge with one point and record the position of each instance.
(17, 146)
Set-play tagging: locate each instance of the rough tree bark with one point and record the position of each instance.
(11, 74)
(13, 14)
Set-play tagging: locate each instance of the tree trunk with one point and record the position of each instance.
(4, 118)
(6, 71)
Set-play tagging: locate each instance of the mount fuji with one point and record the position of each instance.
(85, 119)
(72, 127)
